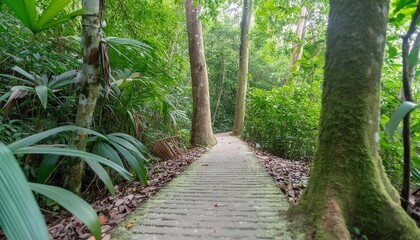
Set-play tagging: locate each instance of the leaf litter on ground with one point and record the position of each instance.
(291, 176)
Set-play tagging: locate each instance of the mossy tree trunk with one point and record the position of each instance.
(201, 130)
(89, 90)
(238, 123)
(348, 187)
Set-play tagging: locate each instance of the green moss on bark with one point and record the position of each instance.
(348, 187)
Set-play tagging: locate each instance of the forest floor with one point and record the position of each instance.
(290, 176)
(112, 210)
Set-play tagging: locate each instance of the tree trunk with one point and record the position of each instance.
(219, 95)
(408, 76)
(201, 130)
(348, 187)
(89, 90)
(297, 49)
(238, 123)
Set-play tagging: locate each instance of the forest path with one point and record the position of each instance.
(225, 194)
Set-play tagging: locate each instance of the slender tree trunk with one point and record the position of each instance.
(348, 187)
(297, 49)
(201, 130)
(238, 123)
(408, 75)
(219, 95)
(89, 90)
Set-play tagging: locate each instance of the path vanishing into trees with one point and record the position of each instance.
(226, 194)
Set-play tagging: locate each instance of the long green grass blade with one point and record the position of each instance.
(42, 92)
(402, 110)
(28, 141)
(73, 204)
(20, 217)
(73, 153)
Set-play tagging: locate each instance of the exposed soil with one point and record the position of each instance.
(128, 196)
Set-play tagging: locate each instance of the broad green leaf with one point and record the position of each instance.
(402, 4)
(46, 168)
(102, 174)
(20, 217)
(17, 78)
(42, 92)
(128, 145)
(104, 150)
(52, 11)
(398, 115)
(74, 204)
(135, 163)
(25, 10)
(61, 19)
(73, 153)
(24, 73)
(131, 139)
(63, 79)
(28, 141)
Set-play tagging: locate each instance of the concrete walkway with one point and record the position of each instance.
(226, 194)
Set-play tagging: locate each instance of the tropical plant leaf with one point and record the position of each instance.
(42, 92)
(136, 164)
(73, 204)
(24, 73)
(402, 110)
(102, 174)
(128, 145)
(28, 141)
(25, 11)
(51, 11)
(20, 217)
(63, 79)
(400, 4)
(73, 153)
(104, 150)
(46, 168)
(61, 19)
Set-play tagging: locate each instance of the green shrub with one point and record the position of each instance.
(284, 120)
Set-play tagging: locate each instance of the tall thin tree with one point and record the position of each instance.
(238, 123)
(89, 89)
(201, 130)
(348, 187)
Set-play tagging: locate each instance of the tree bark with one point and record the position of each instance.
(201, 130)
(408, 76)
(238, 123)
(219, 95)
(348, 187)
(297, 49)
(89, 90)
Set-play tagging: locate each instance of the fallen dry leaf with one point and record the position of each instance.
(102, 219)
